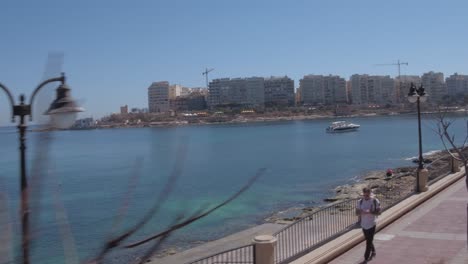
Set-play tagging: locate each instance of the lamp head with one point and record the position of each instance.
(421, 91)
(63, 110)
(412, 90)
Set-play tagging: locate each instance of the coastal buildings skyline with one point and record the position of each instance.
(260, 38)
(279, 91)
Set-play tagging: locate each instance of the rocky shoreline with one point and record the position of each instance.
(399, 184)
(391, 188)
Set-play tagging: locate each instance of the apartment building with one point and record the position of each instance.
(457, 85)
(402, 86)
(244, 92)
(193, 102)
(372, 89)
(435, 87)
(322, 90)
(158, 97)
(279, 91)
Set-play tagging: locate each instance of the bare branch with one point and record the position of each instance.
(193, 219)
(126, 200)
(69, 245)
(176, 172)
(6, 231)
(443, 133)
(150, 252)
(466, 137)
(38, 175)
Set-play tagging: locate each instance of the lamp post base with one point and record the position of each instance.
(422, 179)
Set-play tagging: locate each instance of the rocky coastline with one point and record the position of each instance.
(134, 121)
(402, 182)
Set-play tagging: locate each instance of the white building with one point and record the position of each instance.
(324, 90)
(372, 90)
(174, 91)
(434, 85)
(279, 91)
(457, 85)
(247, 92)
(158, 97)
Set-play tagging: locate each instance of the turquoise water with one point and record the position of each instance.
(90, 172)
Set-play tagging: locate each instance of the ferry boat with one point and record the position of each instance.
(342, 126)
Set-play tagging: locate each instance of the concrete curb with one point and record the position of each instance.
(340, 245)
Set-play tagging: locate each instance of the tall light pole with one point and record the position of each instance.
(63, 112)
(417, 95)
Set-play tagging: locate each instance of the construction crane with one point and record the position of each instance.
(397, 64)
(206, 74)
(398, 92)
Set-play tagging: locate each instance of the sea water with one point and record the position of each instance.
(87, 184)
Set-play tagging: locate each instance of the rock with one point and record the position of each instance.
(171, 251)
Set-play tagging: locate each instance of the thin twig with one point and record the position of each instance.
(195, 218)
(176, 172)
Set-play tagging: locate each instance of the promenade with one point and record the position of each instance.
(426, 228)
(434, 232)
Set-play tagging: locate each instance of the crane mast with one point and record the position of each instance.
(398, 64)
(206, 75)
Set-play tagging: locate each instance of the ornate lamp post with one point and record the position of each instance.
(417, 95)
(63, 111)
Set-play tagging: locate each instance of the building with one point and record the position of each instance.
(457, 85)
(323, 90)
(279, 91)
(174, 91)
(185, 91)
(237, 92)
(193, 102)
(402, 86)
(435, 87)
(158, 97)
(85, 123)
(136, 110)
(124, 109)
(372, 90)
(348, 92)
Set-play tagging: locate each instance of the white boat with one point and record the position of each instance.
(342, 126)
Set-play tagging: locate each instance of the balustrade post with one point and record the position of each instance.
(454, 164)
(265, 247)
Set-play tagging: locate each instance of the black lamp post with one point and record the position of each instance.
(417, 95)
(63, 113)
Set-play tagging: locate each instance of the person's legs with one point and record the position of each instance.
(372, 248)
(369, 235)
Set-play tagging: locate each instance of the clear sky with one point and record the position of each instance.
(115, 49)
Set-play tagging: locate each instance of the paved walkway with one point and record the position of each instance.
(433, 233)
(235, 240)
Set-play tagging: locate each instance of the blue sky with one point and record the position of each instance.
(115, 49)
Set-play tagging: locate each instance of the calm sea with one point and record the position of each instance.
(88, 174)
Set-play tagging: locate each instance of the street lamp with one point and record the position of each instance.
(417, 95)
(63, 111)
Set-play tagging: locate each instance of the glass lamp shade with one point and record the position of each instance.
(423, 98)
(412, 99)
(63, 120)
(63, 111)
